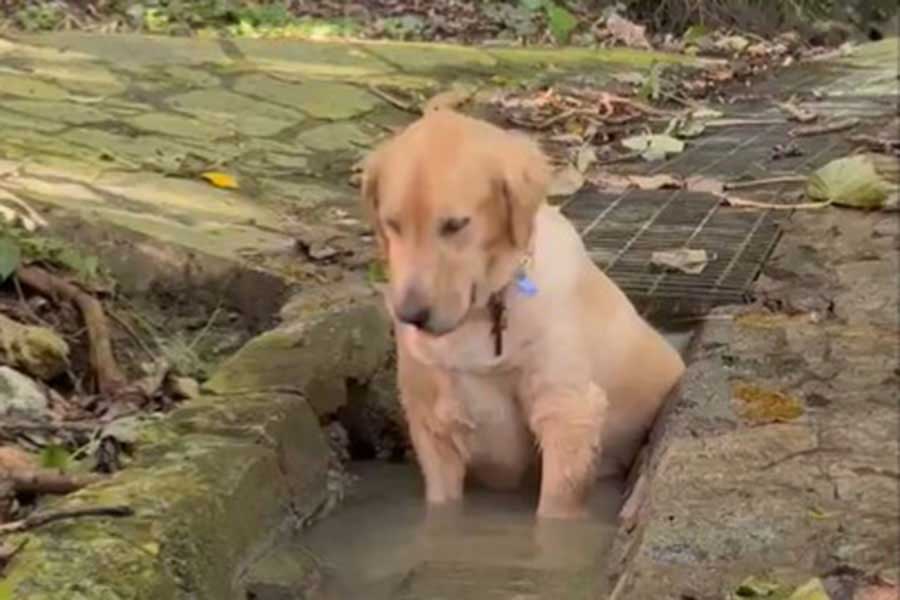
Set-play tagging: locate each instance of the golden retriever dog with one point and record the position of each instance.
(507, 334)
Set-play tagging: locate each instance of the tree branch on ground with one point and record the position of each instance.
(40, 519)
(108, 375)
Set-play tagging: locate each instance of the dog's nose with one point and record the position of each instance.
(417, 317)
(413, 311)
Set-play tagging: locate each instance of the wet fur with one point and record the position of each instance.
(582, 375)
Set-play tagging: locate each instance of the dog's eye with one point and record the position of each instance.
(451, 226)
(393, 226)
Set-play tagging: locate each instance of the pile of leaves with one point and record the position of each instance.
(89, 379)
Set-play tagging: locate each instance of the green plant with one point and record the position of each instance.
(41, 16)
(10, 257)
(560, 21)
(20, 247)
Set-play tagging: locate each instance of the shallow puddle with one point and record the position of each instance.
(383, 543)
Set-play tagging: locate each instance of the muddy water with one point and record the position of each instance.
(384, 543)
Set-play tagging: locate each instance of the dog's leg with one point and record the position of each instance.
(568, 425)
(443, 466)
(438, 427)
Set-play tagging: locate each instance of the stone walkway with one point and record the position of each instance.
(114, 132)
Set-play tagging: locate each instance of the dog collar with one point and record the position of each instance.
(497, 301)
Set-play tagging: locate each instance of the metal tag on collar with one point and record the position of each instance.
(525, 285)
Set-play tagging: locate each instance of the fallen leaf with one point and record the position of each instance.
(685, 260)
(587, 156)
(811, 590)
(628, 33)
(641, 182)
(699, 183)
(694, 33)
(755, 587)
(761, 406)
(860, 181)
(220, 180)
(10, 257)
(732, 43)
(690, 129)
(654, 147)
(565, 181)
(654, 182)
(797, 113)
(560, 21)
(819, 514)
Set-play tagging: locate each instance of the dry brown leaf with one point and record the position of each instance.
(685, 260)
(698, 183)
(626, 32)
(641, 182)
(654, 182)
(797, 113)
(586, 157)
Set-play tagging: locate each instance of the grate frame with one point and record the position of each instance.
(622, 230)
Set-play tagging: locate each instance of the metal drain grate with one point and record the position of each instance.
(622, 230)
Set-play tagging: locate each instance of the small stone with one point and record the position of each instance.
(38, 351)
(184, 388)
(20, 396)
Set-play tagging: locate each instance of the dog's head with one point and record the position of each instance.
(452, 201)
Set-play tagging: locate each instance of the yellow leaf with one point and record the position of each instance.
(221, 180)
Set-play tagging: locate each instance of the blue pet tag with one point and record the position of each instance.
(525, 285)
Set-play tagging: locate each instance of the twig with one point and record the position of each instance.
(742, 122)
(875, 143)
(737, 202)
(108, 374)
(393, 100)
(40, 519)
(134, 334)
(209, 323)
(832, 127)
(27, 307)
(738, 185)
(46, 481)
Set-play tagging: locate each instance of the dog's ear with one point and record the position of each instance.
(369, 196)
(526, 175)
